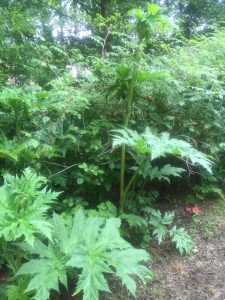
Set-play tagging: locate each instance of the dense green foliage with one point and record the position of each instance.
(88, 246)
(92, 243)
(107, 108)
(23, 207)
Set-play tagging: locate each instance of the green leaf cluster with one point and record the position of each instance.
(156, 146)
(92, 246)
(162, 228)
(149, 21)
(24, 204)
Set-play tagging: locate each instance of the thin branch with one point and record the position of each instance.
(67, 168)
(104, 43)
(190, 171)
(54, 164)
(75, 165)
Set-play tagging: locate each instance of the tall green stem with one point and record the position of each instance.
(132, 179)
(130, 95)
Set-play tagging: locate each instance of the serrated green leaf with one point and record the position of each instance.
(93, 247)
(182, 239)
(159, 146)
(23, 205)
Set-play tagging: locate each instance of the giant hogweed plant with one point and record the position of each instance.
(89, 247)
(145, 25)
(148, 146)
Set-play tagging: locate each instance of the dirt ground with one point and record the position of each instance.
(199, 275)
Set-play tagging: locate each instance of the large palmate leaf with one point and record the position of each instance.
(92, 246)
(105, 252)
(149, 22)
(14, 150)
(46, 271)
(46, 275)
(163, 173)
(16, 99)
(160, 145)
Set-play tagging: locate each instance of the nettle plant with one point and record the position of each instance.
(88, 248)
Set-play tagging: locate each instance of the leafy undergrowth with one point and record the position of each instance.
(199, 275)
